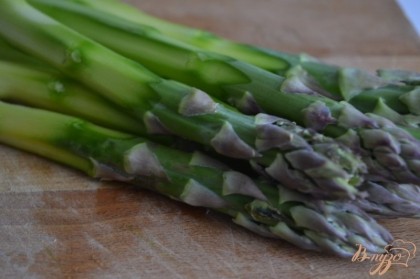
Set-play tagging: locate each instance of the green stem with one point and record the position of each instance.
(223, 77)
(121, 80)
(166, 106)
(56, 92)
(193, 179)
(339, 83)
(33, 87)
(252, 89)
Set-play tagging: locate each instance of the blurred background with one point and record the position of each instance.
(357, 33)
(411, 9)
(320, 27)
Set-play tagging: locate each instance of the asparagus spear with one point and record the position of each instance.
(390, 93)
(391, 199)
(11, 54)
(28, 86)
(192, 178)
(300, 158)
(57, 92)
(390, 153)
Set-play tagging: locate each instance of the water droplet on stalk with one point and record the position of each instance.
(57, 87)
(76, 56)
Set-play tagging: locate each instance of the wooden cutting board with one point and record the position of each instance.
(57, 223)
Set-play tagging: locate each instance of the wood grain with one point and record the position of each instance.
(322, 27)
(57, 223)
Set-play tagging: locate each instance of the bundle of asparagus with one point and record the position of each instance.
(248, 88)
(21, 82)
(311, 185)
(194, 179)
(391, 93)
(297, 157)
(389, 152)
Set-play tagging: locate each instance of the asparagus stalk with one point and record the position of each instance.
(30, 87)
(300, 158)
(26, 79)
(192, 178)
(390, 93)
(56, 92)
(390, 153)
(11, 54)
